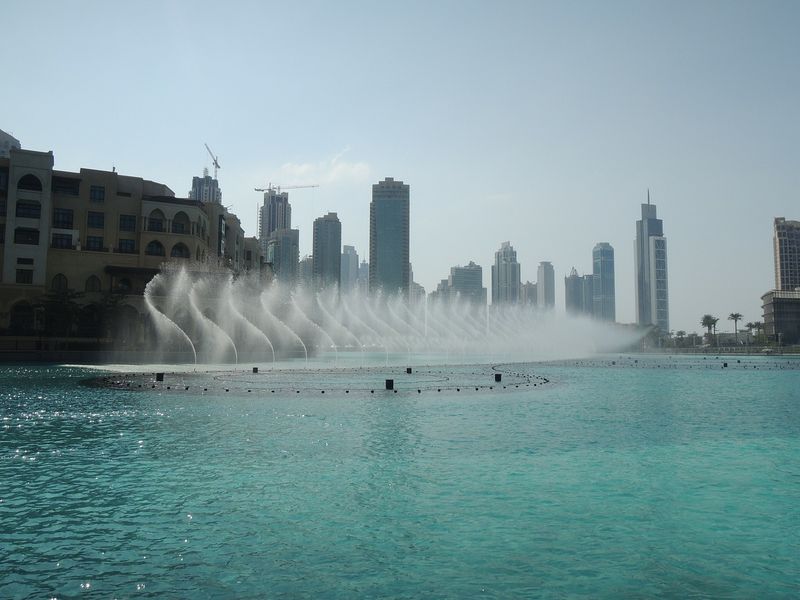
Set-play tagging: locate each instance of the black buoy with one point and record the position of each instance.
(408, 370)
(159, 377)
(498, 377)
(390, 384)
(255, 369)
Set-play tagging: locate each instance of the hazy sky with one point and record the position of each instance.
(538, 123)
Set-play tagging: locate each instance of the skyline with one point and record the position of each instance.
(540, 124)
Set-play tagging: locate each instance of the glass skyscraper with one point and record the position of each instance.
(327, 254)
(650, 253)
(505, 275)
(604, 304)
(389, 216)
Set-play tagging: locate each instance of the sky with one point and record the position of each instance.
(539, 123)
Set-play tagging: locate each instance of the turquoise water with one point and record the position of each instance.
(662, 478)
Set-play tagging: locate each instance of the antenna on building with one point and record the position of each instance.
(648, 196)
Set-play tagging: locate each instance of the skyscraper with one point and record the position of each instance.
(650, 254)
(465, 283)
(527, 294)
(389, 216)
(349, 268)
(505, 275)
(283, 253)
(275, 213)
(546, 285)
(327, 254)
(786, 242)
(578, 293)
(603, 285)
(206, 189)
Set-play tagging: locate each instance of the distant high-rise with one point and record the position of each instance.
(465, 283)
(604, 304)
(363, 277)
(349, 268)
(389, 216)
(327, 254)
(650, 255)
(546, 285)
(283, 253)
(274, 214)
(578, 293)
(527, 294)
(786, 242)
(305, 271)
(505, 275)
(206, 189)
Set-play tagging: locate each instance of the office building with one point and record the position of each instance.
(505, 276)
(604, 304)
(465, 284)
(650, 258)
(305, 271)
(283, 254)
(205, 189)
(349, 268)
(327, 252)
(786, 243)
(275, 213)
(527, 294)
(363, 277)
(389, 216)
(579, 293)
(546, 285)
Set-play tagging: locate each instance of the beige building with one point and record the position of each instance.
(102, 235)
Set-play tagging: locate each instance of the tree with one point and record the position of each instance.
(680, 334)
(709, 322)
(735, 317)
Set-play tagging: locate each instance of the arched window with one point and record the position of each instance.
(124, 285)
(60, 283)
(155, 222)
(93, 284)
(29, 209)
(181, 223)
(29, 182)
(179, 251)
(155, 248)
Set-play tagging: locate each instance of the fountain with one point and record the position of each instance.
(213, 318)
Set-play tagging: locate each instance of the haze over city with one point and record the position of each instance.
(543, 124)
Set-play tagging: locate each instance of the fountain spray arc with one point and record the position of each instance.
(215, 318)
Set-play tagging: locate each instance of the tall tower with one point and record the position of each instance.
(650, 253)
(604, 304)
(505, 275)
(349, 268)
(275, 213)
(546, 285)
(327, 254)
(389, 216)
(206, 189)
(786, 242)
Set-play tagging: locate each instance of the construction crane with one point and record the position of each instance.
(216, 162)
(278, 188)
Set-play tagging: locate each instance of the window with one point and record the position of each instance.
(24, 261)
(60, 283)
(24, 276)
(62, 240)
(155, 248)
(124, 285)
(94, 243)
(178, 227)
(65, 186)
(29, 209)
(181, 223)
(96, 220)
(23, 235)
(127, 247)
(62, 218)
(155, 224)
(2, 207)
(124, 194)
(29, 182)
(127, 222)
(93, 284)
(2, 234)
(179, 251)
(97, 193)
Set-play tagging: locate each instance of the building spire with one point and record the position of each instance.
(648, 196)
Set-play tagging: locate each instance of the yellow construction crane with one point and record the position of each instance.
(277, 188)
(216, 162)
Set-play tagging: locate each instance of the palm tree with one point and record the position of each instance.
(735, 317)
(680, 334)
(709, 322)
(759, 327)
